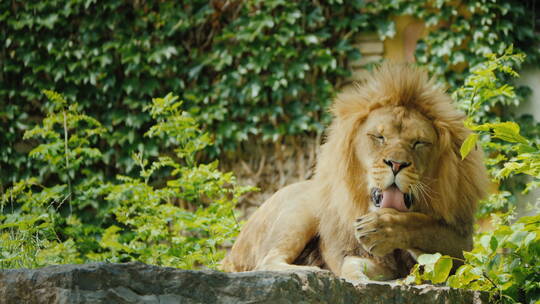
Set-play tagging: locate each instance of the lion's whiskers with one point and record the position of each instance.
(428, 188)
(422, 191)
(414, 190)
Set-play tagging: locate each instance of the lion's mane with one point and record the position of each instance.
(459, 183)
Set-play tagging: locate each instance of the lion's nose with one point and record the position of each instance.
(396, 165)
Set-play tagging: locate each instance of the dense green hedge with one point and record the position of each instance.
(248, 69)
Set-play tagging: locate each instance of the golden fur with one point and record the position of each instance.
(330, 221)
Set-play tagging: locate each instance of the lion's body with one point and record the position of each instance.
(398, 117)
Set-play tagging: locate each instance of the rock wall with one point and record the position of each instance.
(140, 283)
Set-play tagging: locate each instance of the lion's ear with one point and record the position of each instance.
(450, 136)
(445, 137)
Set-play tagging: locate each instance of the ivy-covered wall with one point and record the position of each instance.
(250, 70)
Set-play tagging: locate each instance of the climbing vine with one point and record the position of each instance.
(257, 71)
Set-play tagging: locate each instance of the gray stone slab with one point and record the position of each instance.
(140, 283)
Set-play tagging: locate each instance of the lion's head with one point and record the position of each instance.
(395, 143)
(395, 146)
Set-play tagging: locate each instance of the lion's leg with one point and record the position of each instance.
(289, 235)
(360, 269)
(277, 232)
(277, 260)
(351, 267)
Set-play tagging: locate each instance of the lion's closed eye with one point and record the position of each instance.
(420, 144)
(378, 138)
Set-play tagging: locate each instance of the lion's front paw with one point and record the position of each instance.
(380, 232)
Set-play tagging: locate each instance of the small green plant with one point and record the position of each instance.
(506, 260)
(34, 223)
(510, 153)
(183, 223)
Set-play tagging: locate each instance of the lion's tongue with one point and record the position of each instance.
(393, 198)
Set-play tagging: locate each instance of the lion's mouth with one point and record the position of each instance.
(391, 197)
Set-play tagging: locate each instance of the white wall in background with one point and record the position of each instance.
(531, 78)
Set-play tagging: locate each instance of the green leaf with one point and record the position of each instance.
(428, 259)
(468, 145)
(442, 269)
(386, 28)
(508, 131)
(493, 243)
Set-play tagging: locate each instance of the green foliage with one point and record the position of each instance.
(511, 154)
(251, 70)
(180, 222)
(505, 261)
(35, 209)
(183, 223)
(487, 85)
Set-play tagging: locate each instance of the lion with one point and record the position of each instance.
(389, 185)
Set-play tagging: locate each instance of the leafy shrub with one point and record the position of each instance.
(35, 214)
(505, 261)
(510, 154)
(79, 218)
(183, 223)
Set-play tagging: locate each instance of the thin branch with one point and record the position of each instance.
(67, 155)
(491, 281)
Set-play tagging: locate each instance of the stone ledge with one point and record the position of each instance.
(140, 283)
